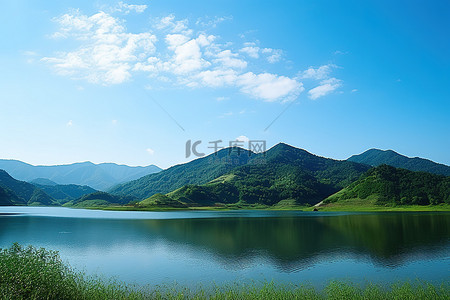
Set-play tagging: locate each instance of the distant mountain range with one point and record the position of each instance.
(283, 176)
(64, 193)
(16, 192)
(376, 157)
(98, 176)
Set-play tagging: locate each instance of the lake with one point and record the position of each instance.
(201, 247)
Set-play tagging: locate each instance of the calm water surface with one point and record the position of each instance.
(212, 246)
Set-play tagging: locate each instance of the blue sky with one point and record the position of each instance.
(110, 81)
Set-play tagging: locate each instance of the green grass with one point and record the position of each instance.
(30, 273)
(346, 205)
(356, 204)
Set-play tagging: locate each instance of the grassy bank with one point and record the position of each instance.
(365, 205)
(348, 205)
(30, 273)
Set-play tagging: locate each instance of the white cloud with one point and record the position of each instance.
(319, 73)
(339, 52)
(127, 8)
(326, 87)
(212, 22)
(218, 78)
(251, 51)
(70, 123)
(29, 53)
(273, 55)
(169, 23)
(174, 54)
(150, 151)
(107, 52)
(176, 40)
(187, 54)
(354, 90)
(269, 87)
(222, 98)
(243, 138)
(327, 84)
(114, 122)
(229, 60)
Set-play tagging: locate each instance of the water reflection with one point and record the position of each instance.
(290, 243)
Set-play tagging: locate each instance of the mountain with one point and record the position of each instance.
(282, 173)
(97, 176)
(8, 198)
(23, 193)
(198, 171)
(43, 181)
(389, 185)
(100, 199)
(160, 200)
(376, 157)
(65, 192)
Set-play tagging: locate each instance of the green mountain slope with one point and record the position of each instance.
(8, 198)
(27, 193)
(161, 201)
(390, 185)
(100, 199)
(98, 176)
(376, 157)
(338, 173)
(66, 192)
(282, 173)
(198, 171)
(43, 181)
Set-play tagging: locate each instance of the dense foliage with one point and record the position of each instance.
(261, 184)
(283, 172)
(30, 273)
(66, 192)
(376, 157)
(100, 199)
(199, 171)
(398, 186)
(22, 193)
(7, 197)
(160, 200)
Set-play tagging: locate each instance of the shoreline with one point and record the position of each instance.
(322, 208)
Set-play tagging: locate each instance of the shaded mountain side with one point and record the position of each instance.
(389, 185)
(269, 168)
(26, 193)
(284, 173)
(100, 199)
(43, 181)
(97, 176)
(198, 171)
(337, 173)
(66, 192)
(8, 198)
(257, 184)
(376, 157)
